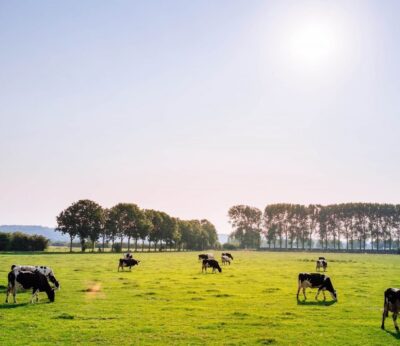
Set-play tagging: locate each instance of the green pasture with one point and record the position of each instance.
(167, 300)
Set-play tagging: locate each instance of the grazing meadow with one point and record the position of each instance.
(168, 300)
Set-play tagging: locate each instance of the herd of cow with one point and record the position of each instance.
(37, 278)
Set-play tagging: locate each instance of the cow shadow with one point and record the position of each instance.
(12, 305)
(396, 335)
(316, 303)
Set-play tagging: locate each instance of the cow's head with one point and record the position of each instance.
(52, 278)
(334, 294)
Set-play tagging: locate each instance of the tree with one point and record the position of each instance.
(84, 219)
(123, 221)
(246, 222)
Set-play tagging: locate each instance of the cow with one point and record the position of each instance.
(227, 254)
(391, 304)
(321, 258)
(225, 259)
(321, 263)
(316, 280)
(18, 279)
(46, 271)
(127, 262)
(204, 256)
(210, 263)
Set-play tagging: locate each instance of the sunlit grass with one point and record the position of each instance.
(167, 300)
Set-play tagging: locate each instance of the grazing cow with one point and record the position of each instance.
(210, 263)
(127, 262)
(321, 263)
(391, 304)
(225, 259)
(18, 279)
(316, 280)
(204, 256)
(227, 254)
(46, 271)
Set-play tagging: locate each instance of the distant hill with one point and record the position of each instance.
(47, 232)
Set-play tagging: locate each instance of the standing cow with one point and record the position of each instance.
(391, 304)
(321, 263)
(316, 280)
(225, 260)
(36, 281)
(127, 262)
(210, 263)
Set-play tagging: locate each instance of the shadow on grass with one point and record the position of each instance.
(396, 335)
(316, 302)
(12, 305)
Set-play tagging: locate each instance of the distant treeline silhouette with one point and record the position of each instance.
(18, 241)
(90, 223)
(346, 226)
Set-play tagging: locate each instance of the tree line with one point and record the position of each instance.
(92, 224)
(18, 241)
(345, 226)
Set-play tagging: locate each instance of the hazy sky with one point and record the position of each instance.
(191, 107)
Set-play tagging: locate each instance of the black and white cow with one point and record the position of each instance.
(227, 254)
(321, 263)
(46, 271)
(18, 279)
(391, 304)
(225, 260)
(204, 256)
(316, 280)
(210, 263)
(127, 262)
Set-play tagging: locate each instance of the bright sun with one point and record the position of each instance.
(313, 43)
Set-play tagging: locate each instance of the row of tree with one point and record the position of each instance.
(350, 226)
(18, 241)
(90, 223)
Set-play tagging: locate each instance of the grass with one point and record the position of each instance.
(167, 300)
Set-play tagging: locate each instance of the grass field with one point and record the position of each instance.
(167, 300)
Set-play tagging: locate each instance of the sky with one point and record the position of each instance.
(191, 107)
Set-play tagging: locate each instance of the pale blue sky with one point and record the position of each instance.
(193, 106)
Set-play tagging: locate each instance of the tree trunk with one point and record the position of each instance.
(70, 244)
(104, 238)
(136, 240)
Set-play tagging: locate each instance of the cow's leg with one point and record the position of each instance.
(318, 292)
(14, 294)
(35, 294)
(395, 321)
(304, 293)
(323, 292)
(8, 293)
(298, 291)
(384, 315)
